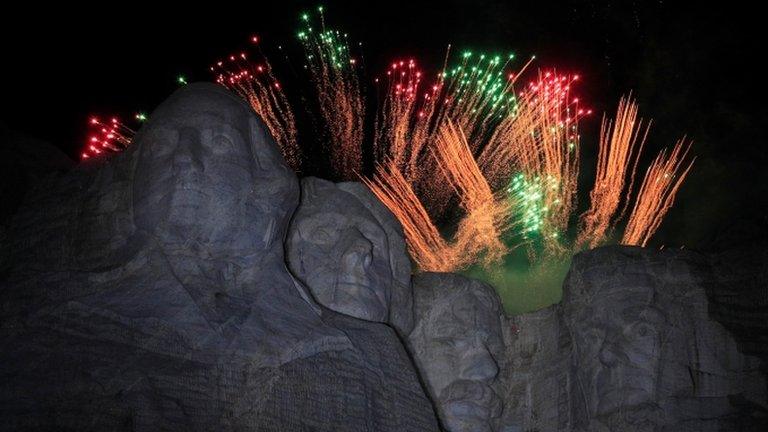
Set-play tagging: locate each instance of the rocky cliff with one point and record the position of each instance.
(194, 283)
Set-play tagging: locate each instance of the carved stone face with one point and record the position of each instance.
(200, 158)
(618, 340)
(644, 348)
(337, 248)
(456, 342)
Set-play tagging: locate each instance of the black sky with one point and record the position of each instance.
(694, 69)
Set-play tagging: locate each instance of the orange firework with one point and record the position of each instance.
(425, 244)
(657, 194)
(255, 82)
(333, 72)
(475, 95)
(620, 146)
(403, 124)
(478, 237)
(544, 148)
(486, 217)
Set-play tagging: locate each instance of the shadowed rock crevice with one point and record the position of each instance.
(150, 292)
(194, 283)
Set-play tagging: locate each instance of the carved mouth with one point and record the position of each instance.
(361, 293)
(472, 408)
(622, 397)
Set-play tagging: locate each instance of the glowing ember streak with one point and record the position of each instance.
(400, 126)
(107, 137)
(543, 136)
(425, 244)
(254, 81)
(620, 146)
(333, 72)
(527, 196)
(478, 237)
(485, 217)
(476, 95)
(657, 194)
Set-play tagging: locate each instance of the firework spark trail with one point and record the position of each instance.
(405, 128)
(486, 217)
(112, 136)
(425, 244)
(545, 149)
(398, 127)
(475, 94)
(620, 146)
(333, 72)
(657, 194)
(255, 82)
(478, 237)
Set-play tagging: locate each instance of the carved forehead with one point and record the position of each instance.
(469, 303)
(324, 196)
(202, 102)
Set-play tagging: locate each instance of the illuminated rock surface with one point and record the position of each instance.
(152, 293)
(349, 250)
(632, 348)
(192, 283)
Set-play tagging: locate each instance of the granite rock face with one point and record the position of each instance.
(151, 292)
(25, 161)
(349, 250)
(456, 344)
(631, 347)
(193, 283)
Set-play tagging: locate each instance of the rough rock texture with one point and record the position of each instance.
(151, 293)
(738, 290)
(349, 250)
(633, 348)
(25, 161)
(456, 343)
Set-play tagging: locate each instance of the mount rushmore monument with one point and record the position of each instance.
(193, 282)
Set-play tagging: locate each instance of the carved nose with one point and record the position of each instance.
(609, 355)
(187, 155)
(479, 365)
(358, 255)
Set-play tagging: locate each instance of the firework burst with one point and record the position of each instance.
(543, 143)
(619, 149)
(333, 70)
(107, 137)
(485, 217)
(425, 243)
(254, 80)
(476, 95)
(657, 193)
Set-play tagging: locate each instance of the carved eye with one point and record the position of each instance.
(448, 342)
(593, 338)
(321, 235)
(644, 330)
(222, 145)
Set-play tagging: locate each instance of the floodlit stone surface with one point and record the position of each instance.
(349, 250)
(193, 283)
(456, 343)
(631, 347)
(152, 293)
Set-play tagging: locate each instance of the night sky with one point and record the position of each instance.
(694, 70)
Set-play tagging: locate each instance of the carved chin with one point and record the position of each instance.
(621, 397)
(470, 413)
(467, 415)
